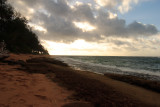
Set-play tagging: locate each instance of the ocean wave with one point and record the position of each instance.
(102, 69)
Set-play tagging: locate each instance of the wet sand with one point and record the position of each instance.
(39, 81)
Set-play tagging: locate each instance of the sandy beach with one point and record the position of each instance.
(39, 81)
(21, 89)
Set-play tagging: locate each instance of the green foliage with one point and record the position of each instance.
(16, 33)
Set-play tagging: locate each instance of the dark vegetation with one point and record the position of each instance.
(17, 35)
(86, 89)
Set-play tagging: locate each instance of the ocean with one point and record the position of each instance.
(144, 67)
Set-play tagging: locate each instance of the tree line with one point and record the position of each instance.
(16, 33)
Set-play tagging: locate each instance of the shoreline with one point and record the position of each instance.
(101, 68)
(89, 88)
(153, 85)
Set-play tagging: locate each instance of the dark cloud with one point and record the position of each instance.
(57, 17)
(141, 29)
(59, 8)
(83, 13)
(110, 27)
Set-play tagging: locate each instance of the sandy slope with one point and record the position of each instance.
(21, 89)
(145, 96)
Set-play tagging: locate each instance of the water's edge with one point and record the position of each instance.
(99, 68)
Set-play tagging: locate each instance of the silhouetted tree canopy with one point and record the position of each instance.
(16, 33)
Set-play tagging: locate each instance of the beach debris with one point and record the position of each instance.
(4, 53)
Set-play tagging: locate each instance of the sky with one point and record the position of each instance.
(94, 27)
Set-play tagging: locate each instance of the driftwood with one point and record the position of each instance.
(4, 53)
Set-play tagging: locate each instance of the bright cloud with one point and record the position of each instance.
(112, 15)
(78, 47)
(110, 3)
(84, 26)
(125, 6)
(37, 27)
(112, 46)
(122, 5)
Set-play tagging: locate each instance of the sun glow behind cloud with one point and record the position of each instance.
(78, 47)
(85, 26)
(112, 47)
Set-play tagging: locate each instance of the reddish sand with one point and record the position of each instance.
(21, 89)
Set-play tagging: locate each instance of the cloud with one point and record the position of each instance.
(58, 18)
(112, 46)
(120, 5)
(82, 13)
(139, 45)
(107, 3)
(125, 5)
(141, 29)
(118, 27)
